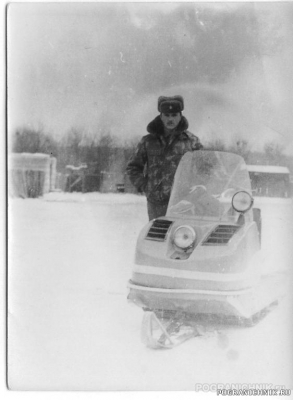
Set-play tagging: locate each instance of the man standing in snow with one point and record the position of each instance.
(153, 165)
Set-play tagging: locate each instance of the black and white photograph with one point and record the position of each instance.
(149, 197)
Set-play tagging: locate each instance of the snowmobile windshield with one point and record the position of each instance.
(205, 183)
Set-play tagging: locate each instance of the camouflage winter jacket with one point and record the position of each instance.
(154, 163)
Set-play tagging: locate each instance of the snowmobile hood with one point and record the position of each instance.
(156, 126)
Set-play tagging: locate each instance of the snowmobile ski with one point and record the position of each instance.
(165, 333)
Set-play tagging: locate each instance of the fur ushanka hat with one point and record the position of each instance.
(172, 104)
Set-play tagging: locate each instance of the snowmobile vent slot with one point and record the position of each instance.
(221, 235)
(159, 229)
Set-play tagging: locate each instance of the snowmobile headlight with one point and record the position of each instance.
(184, 237)
(242, 201)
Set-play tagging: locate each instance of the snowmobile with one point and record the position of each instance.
(203, 257)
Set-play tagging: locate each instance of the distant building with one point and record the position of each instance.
(270, 180)
(31, 174)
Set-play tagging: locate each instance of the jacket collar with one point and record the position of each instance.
(156, 126)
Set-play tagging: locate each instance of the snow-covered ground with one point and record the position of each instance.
(71, 327)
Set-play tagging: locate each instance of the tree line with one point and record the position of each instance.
(75, 148)
(106, 155)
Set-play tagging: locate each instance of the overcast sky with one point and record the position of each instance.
(89, 66)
